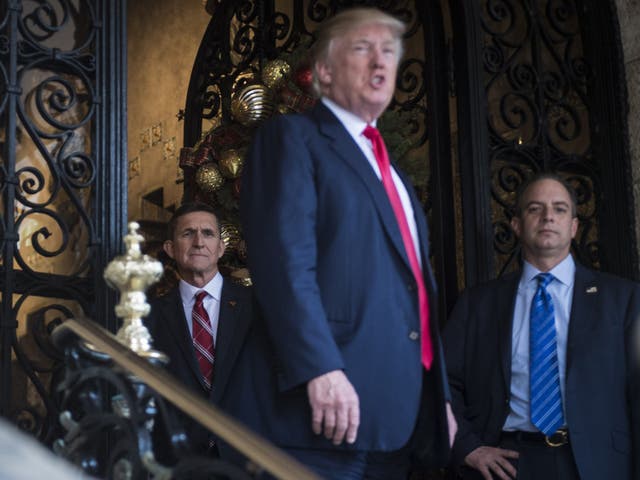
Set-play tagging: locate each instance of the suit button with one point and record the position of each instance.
(411, 287)
(414, 335)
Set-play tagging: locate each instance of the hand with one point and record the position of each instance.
(452, 424)
(335, 407)
(488, 460)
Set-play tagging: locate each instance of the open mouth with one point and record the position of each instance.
(377, 81)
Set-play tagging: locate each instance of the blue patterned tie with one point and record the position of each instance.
(546, 400)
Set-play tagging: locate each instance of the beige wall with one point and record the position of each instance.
(629, 17)
(163, 39)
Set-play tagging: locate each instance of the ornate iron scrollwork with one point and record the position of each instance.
(536, 79)
(53, 109)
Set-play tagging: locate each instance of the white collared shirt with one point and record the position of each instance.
(355, 126)
(211, 302)
(561, 291)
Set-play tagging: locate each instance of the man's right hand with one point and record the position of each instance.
(492, 460)
(335, 407)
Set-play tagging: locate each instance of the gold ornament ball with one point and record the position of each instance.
(230, 235)
(209, 178)
(252, 105)
(283, 109)
(242, 250)
(241, 276)
(231, 163)
(275, 73)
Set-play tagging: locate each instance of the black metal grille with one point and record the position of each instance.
(536, 82)
(58, 177)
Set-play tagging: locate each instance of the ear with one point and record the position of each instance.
(324, 72)
(221, 248)
(574, 227)
(515, 225)
(167, 246)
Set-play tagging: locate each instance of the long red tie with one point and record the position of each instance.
(203, 339)
(382, 158)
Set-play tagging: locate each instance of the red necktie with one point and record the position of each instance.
(203, 338)
(382, 158)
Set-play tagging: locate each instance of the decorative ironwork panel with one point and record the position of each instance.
(58, 172)
(536, 80)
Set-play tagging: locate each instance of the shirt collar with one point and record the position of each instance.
(213, 288)
(564, 271)
(354, 124)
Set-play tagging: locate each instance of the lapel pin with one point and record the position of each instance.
(232, 303)
(592, 290)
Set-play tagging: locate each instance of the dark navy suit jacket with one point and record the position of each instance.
(170, 333)
(602, 398)
(337, 291)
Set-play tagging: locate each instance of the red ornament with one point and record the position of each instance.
(303, 78)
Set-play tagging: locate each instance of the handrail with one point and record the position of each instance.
(251, 445)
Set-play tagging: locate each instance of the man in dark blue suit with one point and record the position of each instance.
(496, 374)
(355, 380)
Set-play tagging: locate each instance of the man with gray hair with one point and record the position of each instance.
(354, 382)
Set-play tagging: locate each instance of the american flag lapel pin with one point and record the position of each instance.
(592, 289)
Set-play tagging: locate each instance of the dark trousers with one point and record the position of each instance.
(355, 465)
(537, 461)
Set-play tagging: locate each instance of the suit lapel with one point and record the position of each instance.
(174, 318)
(232, 328)
(584, 310)
(344, 147)
(505, 302)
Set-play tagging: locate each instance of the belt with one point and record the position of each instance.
(557, 439)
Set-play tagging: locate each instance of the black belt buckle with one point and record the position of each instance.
(557, 439)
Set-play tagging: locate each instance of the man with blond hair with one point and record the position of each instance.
(355, 383)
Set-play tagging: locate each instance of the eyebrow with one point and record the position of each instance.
(537, 202)
(204, 230)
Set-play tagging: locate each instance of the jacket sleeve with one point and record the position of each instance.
(279, 211)
(632, 336)
(455, 343)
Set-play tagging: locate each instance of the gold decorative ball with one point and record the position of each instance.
(252, 105)
(283, 109)
(275, 73)
(241, 276)
(242, 250)
(209, 178)
(230, 235)
(231, 163)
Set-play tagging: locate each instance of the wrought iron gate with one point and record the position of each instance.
(541, 88)
(63, 183)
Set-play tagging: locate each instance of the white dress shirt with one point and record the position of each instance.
(355, 126)
(211, 302)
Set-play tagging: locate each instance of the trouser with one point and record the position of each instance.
(537, 460)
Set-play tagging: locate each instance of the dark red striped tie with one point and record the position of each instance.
(382, 158)
(203, 339)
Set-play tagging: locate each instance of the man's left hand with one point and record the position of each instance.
(335, 407)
